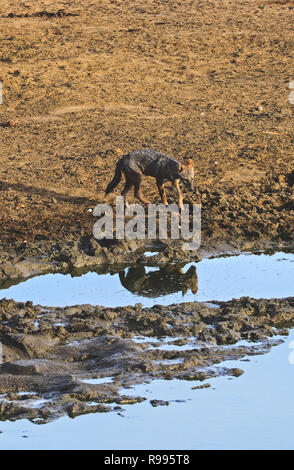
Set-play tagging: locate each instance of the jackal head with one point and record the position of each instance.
(186, 175)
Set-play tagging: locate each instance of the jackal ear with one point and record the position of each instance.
(190, 163)
(182, 167)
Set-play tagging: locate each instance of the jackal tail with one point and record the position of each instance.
(116, 179)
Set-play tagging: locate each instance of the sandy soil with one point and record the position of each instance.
(86, 82)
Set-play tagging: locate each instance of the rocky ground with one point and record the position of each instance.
(48, 353)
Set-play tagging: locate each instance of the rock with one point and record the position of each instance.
(156, 403)
(10, 270)
(31, 345)
(237, 372)
(207, 385)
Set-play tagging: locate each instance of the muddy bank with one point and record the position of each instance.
(48, 353)
(73, 256)
(29, 259)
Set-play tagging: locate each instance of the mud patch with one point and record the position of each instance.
(51, 354)
(41, 14)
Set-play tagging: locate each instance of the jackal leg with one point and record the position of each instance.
(161, 191)
(128, 186)
(137, 192)
(180, 196)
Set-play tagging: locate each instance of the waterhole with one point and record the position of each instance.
(250, 410)
(254, 275)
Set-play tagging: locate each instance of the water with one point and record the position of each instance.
(253, 411)
(258, 276)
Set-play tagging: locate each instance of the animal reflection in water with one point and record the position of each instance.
(164, 281)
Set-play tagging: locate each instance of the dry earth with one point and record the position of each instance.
(85, 82)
